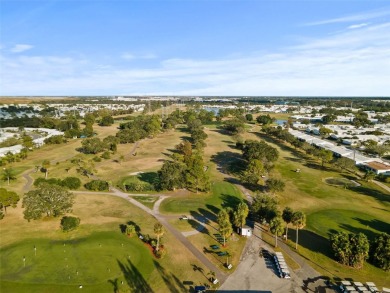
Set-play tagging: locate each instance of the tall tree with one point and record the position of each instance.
(52, 200)
(287, 217)
(380, 251)
(130, 230)
(172, 175)
(225, 227)
(350, 249)
(159, 232)
(253, 172)
(276, 228)
(240, 214)
(45, 166)
(299, 221)
(197, 177)
(8, 174)
(8, 198)
(370, 175)
(325, 156)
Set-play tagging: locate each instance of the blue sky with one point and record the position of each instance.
(118, 47)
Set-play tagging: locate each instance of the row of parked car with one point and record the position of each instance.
(358, 287)
(281, 265)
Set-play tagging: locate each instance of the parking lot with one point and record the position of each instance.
(259, 273)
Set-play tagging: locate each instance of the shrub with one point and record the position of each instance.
(51, 181)
(69, 223)
(160, 253)
(97, 185)
(71, 182)
(97, 159)
(106, 155)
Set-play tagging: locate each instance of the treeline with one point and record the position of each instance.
(354, 249)
(187, 168)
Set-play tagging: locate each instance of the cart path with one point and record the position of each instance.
(221, 276)
(385, 187)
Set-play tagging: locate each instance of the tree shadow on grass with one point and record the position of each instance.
(312, 241)
(149, 177)
(373, 224)
(378, 195)
(171, 281)
(134, 278)
(228, 162)
(229, 201)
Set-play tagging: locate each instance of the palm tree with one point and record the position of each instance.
(228, 254)
(212, 275)
(159, 231)
(8, 174)
(299, 221)
(370, 175)
(130, 230)
(276, 228)
(287, 217)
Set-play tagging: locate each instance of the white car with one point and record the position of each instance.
(183, 217)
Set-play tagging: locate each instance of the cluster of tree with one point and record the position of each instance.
(186, 170)
(11, 158)
(173, 119)
(95, 145)
(226, 112)
(195, 127)
(7, 199)
(259, 157)
(265, 209)
(354, 249)
(265, 119)
(229, 217)
(361, 119)
(97, 185)
(234, 126)
(350, 249)
(48, 199)
(140, 127)
(68, 182)
(55, 139)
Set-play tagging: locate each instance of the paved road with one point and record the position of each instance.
(385, 187)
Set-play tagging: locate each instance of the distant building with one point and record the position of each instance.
(378, 168)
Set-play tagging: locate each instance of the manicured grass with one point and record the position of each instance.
(325, 222)
(101, 218)
(86, 261)
(146, 200)
(223, 194)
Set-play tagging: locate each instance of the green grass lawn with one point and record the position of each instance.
(89, 261)
(99, 267)
(223, 194)
(146, 200)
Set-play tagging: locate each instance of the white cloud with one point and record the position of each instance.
(359, 25)
(354, 62)
(130, 56)
(21, 48)
(352, 18)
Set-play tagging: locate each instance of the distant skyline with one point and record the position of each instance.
(232, 47)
